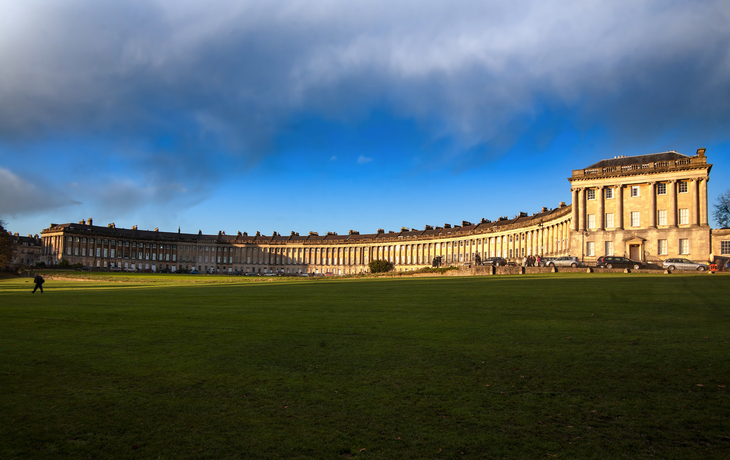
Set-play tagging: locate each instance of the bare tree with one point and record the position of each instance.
(6, 246)
(722, 210)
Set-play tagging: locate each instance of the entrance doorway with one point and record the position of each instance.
(635, 252)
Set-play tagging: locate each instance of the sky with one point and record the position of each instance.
(320, 115)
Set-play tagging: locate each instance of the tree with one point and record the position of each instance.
(6, 246)
(380, 266)
(722, 210)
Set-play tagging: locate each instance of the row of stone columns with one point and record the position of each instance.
(697, 188)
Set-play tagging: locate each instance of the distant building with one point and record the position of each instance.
(647, 207)
(27, 251)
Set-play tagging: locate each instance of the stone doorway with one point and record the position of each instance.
(635, 252)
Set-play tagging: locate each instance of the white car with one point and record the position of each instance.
(565, 261)
(684, 264)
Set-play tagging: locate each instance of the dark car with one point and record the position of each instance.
(495, 261)
(621, 262)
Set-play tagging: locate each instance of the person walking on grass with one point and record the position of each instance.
(38, 280)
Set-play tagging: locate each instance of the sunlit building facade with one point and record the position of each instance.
(647, 207)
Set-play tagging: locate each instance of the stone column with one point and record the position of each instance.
(703, 202)
(581, 209)
(600, 214)
(652, 208)
(574, 210)
(620, 207)
(695, 203)
(672, 217)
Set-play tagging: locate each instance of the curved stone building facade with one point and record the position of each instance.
(647, 207)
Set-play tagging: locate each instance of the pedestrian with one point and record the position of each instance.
(538, 260)
(38, 280)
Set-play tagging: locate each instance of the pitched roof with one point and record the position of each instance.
(638, 159)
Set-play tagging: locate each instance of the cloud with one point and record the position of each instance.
(22, 197)
(362, 159)
(225, 80)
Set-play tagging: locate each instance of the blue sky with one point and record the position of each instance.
(337, 115)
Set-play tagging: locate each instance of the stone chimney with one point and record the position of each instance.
(562, 204)
(89, 221)
(447, 225)
(701, 153)
(380, 230)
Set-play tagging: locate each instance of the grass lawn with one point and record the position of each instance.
(516, 367)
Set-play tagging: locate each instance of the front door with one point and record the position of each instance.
(635, 252)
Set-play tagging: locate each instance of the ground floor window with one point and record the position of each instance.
(609, 248)
(724, 247)
(590, 248)
(684, 246)
(662, 247)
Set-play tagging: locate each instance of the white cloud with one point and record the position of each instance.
(21, 197)
(234, 72)
(362, 159)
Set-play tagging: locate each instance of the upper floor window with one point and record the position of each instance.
(591, 194)
(609, 220)
(609, 193)
(661, 189)
(635, 222)
(684, 216)
(635, 190)
(682, 187)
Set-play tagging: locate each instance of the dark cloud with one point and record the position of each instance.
(220, 82)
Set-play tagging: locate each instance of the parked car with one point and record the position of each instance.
(684, 264)
(194, 272)
(544, 261)
(565, 261)
(495, 261)
(621, 262)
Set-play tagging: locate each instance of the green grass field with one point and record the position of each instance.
(514, 367)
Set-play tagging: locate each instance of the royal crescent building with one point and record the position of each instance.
(647, 207)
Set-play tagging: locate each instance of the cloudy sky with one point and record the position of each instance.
(335, 115)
